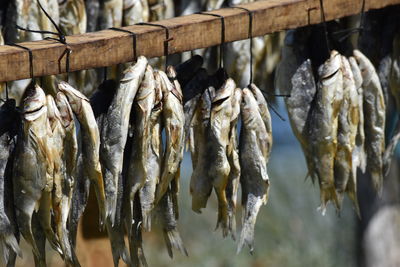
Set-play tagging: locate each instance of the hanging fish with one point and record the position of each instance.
(135, 11)
(9, 234)
(233, 158)
(61, 186)
(110, 14)
(114, 130)
(92, 11)
(346, 137)
(90, 144)
(374, 114)
(325, 123)
(140, 169)
(168, 219)
(254, 150)
(359, 157)
(173, 120)
(29, 177)
(300, 86)
(73, 18)
(220, 119)
(154, 152)
(200, 182)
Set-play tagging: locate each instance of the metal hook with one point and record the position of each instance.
(134, 40)
(30, 58)
(167, 39)
(346, 33)
(250, 36)
(321, 2)
(221, 48)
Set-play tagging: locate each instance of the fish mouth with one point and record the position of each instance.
(31, 115)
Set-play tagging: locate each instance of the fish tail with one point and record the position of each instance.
(328, 194)
(9, 248)
(104, 212)
(377, 181)
(146, 214)
(249, 220)
(24, 221)
(222, 213)
(351, 190)
(138, 258)
(12, 243)
(173, 240)
(12, 257)
(119, 250)
(232, 221)
(246, 237)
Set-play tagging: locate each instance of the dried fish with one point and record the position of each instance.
(110, 14)
(346, 137)
(30, 168)
(325, 123)
(140, 168)
(115, 129)
(62, 187)
(154, 159)
(374, 114)
(254, 149)
(200, 182)
(359, 157)
(173, 120)
(167, 214)
(233, 158)
(73, 17)
(90, 144)
(135, 11)
(9, 234)
(220, 119)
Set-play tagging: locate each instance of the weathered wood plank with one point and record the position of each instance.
(108, 47)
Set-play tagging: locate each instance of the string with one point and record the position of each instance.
(325, 26)
(221, 48)
(30, 58)
(167, 39)
(134, 40)
(61, 38)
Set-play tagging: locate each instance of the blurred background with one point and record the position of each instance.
(290, 231)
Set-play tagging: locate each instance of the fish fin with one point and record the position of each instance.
(328, 194)
(173, 240)
(118, 247)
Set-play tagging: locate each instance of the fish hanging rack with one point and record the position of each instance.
(109, 47)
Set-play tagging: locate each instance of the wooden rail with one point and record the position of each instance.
(109, 47)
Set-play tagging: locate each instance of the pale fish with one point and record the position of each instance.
(374, 115)
(253, 155)
(324, 126)
(90, 144)
(219, 169)
(173, 119)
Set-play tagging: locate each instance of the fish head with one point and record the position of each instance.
(356, 72)
(223, 95)
(66, 114)
(330, 69)
(158, 98)
(205, 103)
(53, 114)
(176, 90)
(146, 85)
(34, 102)
(74, 97)
(248, 105)
(365, 65)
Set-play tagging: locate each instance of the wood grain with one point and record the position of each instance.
(108, 47)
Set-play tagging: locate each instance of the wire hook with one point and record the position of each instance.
(166, 41)
(221, 47)
(321, 2)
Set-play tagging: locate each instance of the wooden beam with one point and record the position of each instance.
(108, 47)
